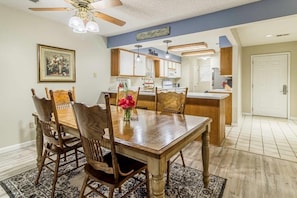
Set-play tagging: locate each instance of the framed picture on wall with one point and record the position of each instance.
(56, 64)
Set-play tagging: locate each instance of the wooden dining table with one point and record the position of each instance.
(152, 137)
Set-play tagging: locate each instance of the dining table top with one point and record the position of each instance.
(149, 131)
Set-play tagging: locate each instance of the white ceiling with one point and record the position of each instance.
(140, 14)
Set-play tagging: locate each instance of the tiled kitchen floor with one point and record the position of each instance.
(269, 136)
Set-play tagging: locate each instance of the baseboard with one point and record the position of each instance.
(16, 146)
(247, 114)
(293, 118)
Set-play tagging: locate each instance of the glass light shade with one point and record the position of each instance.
(167, 55)
(76, 22)
(92, 26)
(138, 58)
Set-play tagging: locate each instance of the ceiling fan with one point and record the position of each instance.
(88, 8)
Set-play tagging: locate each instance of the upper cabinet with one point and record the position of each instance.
(124, 63)
(140, 65)
(226, 61)
(167, 69)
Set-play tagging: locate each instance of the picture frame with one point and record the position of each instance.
(56, 64)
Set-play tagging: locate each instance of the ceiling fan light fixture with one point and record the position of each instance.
(92, 26)
(76, 22)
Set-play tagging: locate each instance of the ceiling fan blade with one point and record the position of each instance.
(75, 4)
(110, 19)
(50, 9)
(103, 4)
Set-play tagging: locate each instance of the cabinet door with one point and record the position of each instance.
(126, 63)
(139, 68)
(226, 61)
(178, 70)
(163, 68)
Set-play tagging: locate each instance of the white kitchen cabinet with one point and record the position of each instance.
(126, 63)
(123, 63)
(139, 66)
(178, 70)
(163, 68)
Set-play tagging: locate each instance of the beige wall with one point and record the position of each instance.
(19, 35)
(247, 52)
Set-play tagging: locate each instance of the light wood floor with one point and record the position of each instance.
(249, 175)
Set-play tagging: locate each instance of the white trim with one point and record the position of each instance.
(293, 118)
(247, 114)
(16, 146)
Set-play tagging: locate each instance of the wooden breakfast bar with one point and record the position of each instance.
(201, 104)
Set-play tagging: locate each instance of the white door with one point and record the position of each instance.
(270, 85)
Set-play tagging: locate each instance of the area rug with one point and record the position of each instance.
(184, 183)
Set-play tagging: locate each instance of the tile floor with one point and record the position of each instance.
(269, 136)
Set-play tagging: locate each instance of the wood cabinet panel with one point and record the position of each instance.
(228, 107)
(226, 61)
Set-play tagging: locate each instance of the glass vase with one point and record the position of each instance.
(127, 115)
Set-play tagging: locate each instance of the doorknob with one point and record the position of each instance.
(285, 90)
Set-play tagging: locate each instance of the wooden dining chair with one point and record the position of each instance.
(61, 96)
(111, 169)
(55, 145)
(172, 101)
(122, 93)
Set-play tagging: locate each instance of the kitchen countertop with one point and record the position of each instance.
(214, 96)
(220, 90)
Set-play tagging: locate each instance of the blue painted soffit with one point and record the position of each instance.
(224, 42)
(262, 10)
(158, 53)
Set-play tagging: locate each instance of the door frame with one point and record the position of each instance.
(288, 78)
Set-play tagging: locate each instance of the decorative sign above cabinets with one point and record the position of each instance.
(153, 33)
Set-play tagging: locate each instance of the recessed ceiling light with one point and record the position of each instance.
(268, 35)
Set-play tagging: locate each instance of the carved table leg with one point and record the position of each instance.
(157, 168)
(205, 156)
(39, 141)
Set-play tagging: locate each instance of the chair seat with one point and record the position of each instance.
(126, 164)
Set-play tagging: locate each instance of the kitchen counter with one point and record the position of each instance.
(228, 104)
(211, 96)
(202, 104)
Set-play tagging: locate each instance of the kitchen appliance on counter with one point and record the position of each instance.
(148, 84)
(167, 84)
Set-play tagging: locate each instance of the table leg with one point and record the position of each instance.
(39, 141)
(205, 156)
(156, 168)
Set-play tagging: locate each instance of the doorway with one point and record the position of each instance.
(270, 85)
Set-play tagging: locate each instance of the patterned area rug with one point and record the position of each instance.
(184, 182)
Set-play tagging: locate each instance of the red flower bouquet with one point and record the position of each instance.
(127, 104)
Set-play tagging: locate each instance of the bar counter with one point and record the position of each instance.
(202, 104)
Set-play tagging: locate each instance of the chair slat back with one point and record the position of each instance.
(173, 101)
(45, 112)
(122, 93)
(60, 97)
(93, 122)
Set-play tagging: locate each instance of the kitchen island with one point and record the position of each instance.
(202, 104)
